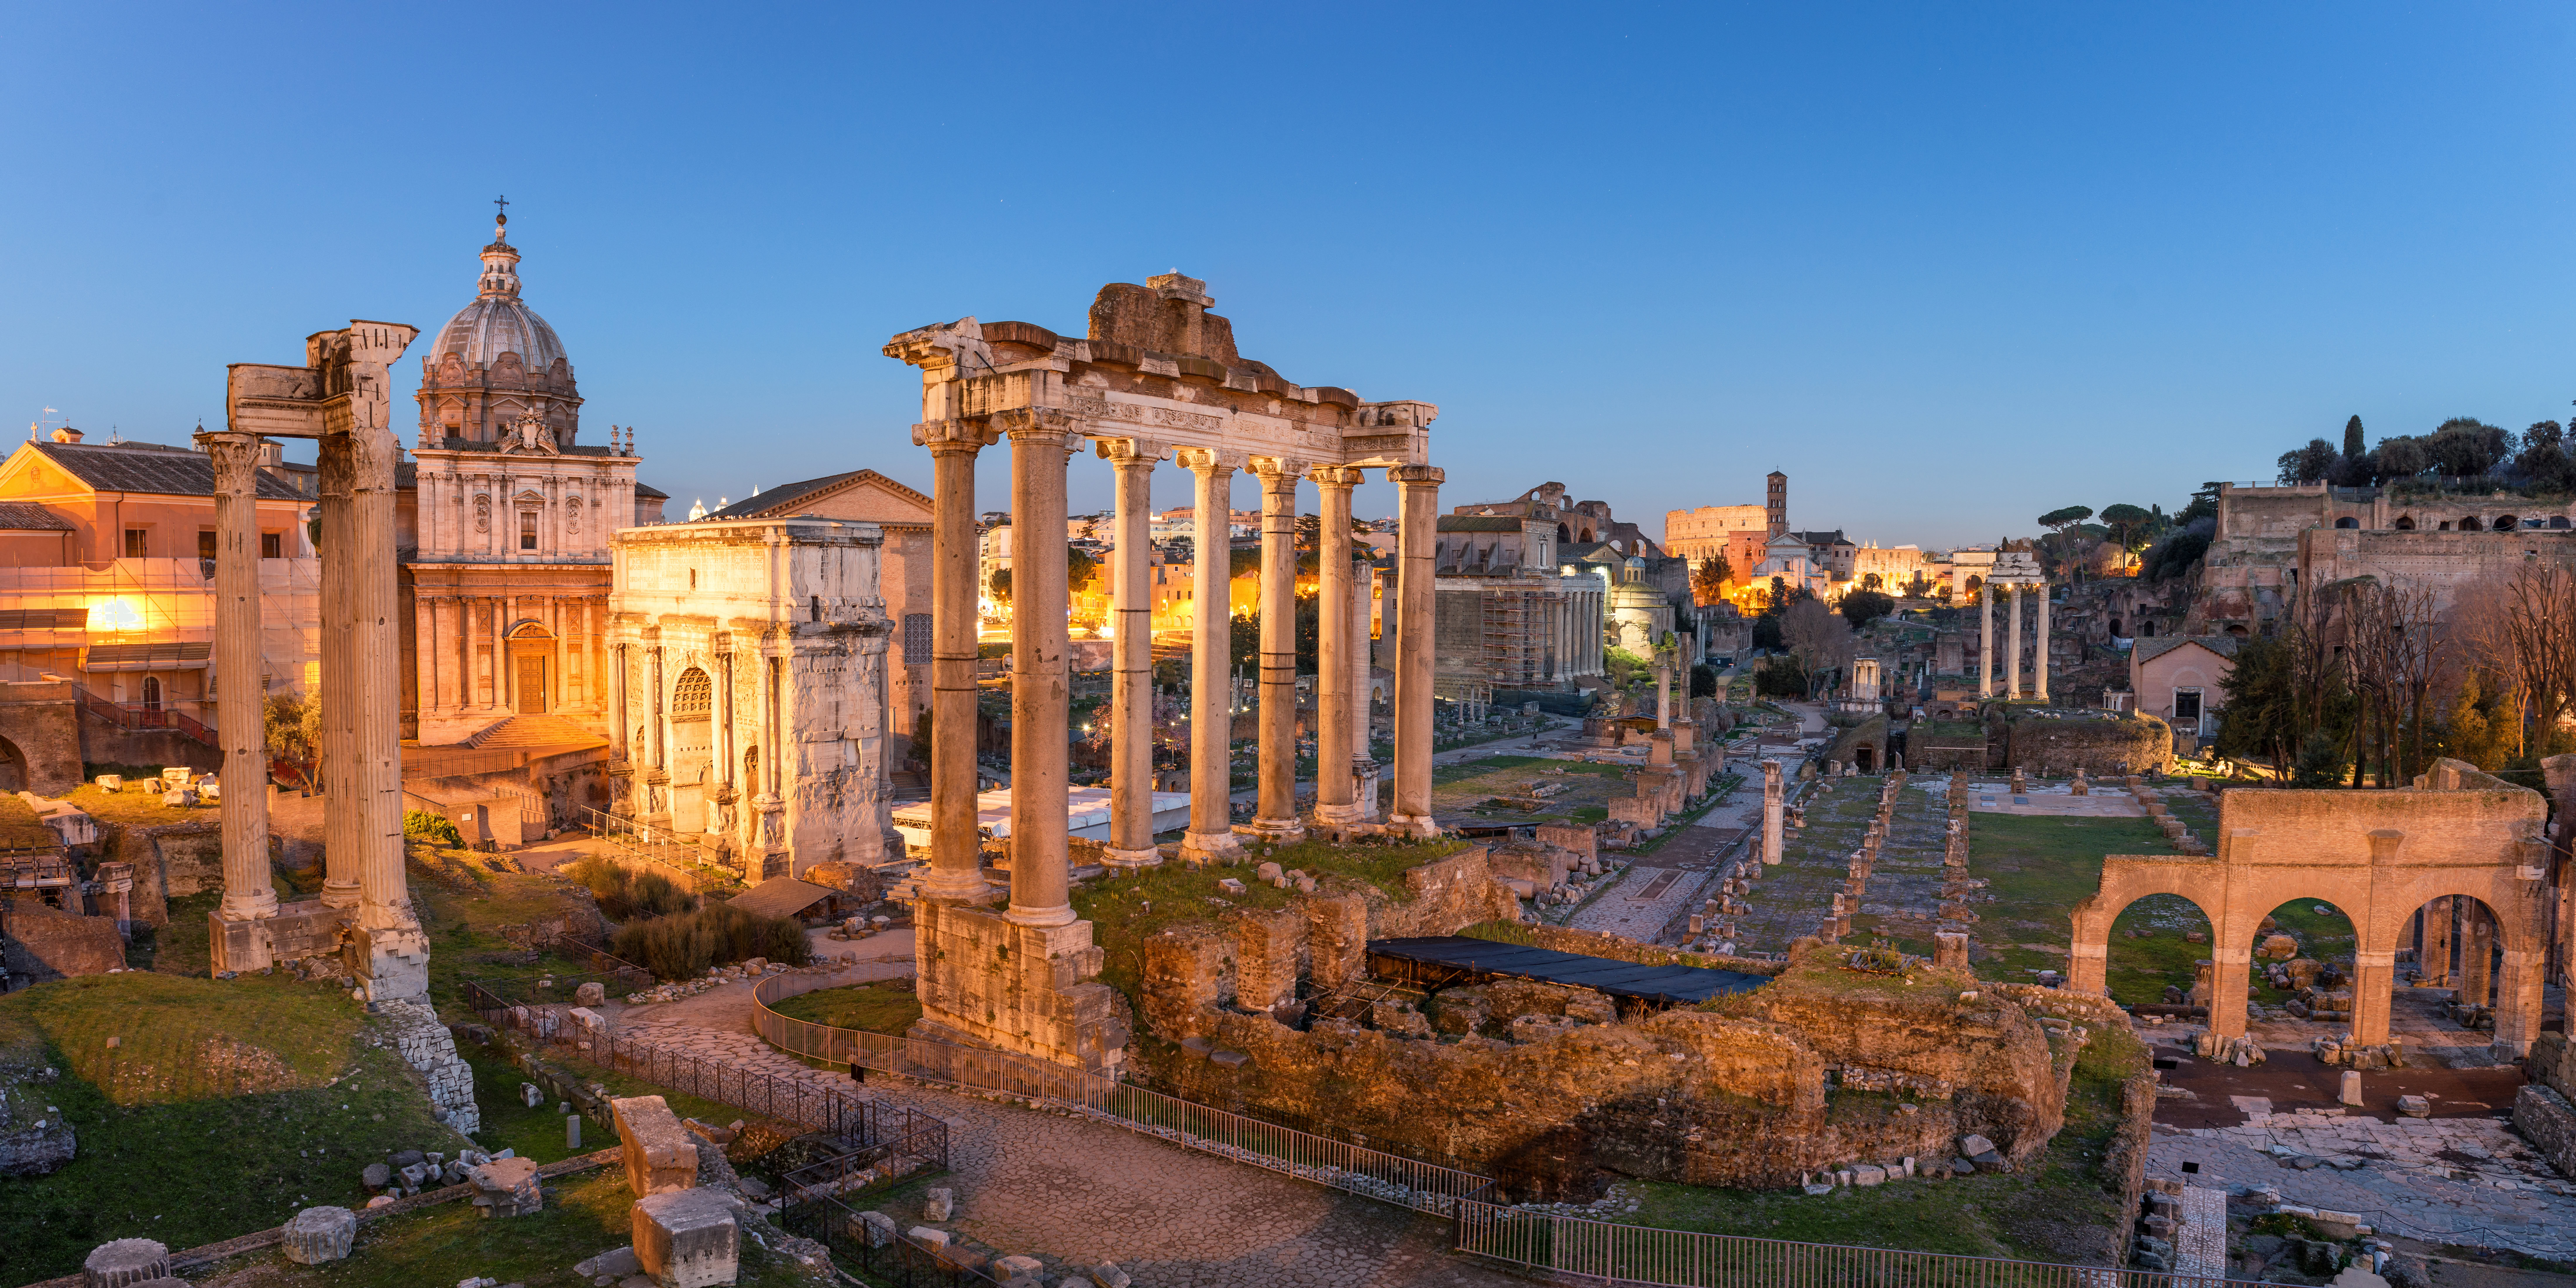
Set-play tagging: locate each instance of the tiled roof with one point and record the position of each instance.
(646, 489)
(148, 468)
(27, 516)
(766, 503)
(2159, 645)
(1477, 523)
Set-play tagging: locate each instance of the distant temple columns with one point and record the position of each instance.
(1131, 699)
(1275, 816)
(1210, 837)
(1986, 641)
(2039, 669)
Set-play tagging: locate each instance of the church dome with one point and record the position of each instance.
(498, 321)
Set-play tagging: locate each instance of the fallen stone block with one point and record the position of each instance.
(657, 1150)
(938, 1204)
(1869, 1174)
(376, 1176)
(1021, 1267)
(507, 1187)
(320, 1234)
(923, 1234)
(1972, 1145)
(876, 1229)
(616, 1263)
(2415, 1106)
(123, 1262)
(590, 994)
(1108, 1275)
(687, 1238)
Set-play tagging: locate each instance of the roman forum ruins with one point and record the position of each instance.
(1156, 376)
(2013, 574)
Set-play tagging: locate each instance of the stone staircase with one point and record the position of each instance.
(532, 731)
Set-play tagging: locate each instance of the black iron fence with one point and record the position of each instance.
(861, 1124)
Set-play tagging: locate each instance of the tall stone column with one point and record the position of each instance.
(1986, 641)
(1041, 881)
(1663, 690)
(340, 841)
(1131, 780)
(956, 862)
(2039, 663)
(1774, 811)
(391, 952)
(1211, 832)
(1363, 749)
(238, 939)
(2477, 954)
(1418, 513)
(1336, 802)
(2012, 650)
(1275, 815)
(2433, 945)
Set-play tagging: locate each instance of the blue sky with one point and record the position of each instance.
(1947, 266)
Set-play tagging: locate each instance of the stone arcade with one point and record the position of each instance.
(1156, 375)
(2457, 834)
(365, 916)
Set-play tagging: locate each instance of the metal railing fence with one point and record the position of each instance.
(864, 1123)
(891, 1259)
(645, 841)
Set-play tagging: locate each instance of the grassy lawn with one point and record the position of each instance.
(585, 1214)
(138, 805)
(223, 1109)
(2046, 1212)
(1466, 788)
(2140, 968)
(2037, 868)
(886, 1006)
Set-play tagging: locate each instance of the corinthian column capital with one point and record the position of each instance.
(962, 434)
(1417, 474)
(1336, 476)
(1209, 460)
(1130, 451)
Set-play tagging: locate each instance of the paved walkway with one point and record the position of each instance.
(2442, 1180)
(1076, 1191)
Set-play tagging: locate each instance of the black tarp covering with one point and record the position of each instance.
(1665, 985)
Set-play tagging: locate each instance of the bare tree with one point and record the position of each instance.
(2388, 638)
(1820, 638)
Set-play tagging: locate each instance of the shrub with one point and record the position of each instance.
(687, 943)
(624, 894)
(421, 825)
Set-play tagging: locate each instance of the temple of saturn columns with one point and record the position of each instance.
(364, 921)
(1156, 377)
(2013, 574)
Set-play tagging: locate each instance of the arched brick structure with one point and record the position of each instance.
(2378, 856)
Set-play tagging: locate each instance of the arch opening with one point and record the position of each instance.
(2303, 964)
(692, 749)
(2452, 950)
(2405, 523)
(2159, 953)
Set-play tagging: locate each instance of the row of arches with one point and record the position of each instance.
(2433, 927)
(2471, 523)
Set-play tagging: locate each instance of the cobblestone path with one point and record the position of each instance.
(1075, 1191)
(2442, 1180)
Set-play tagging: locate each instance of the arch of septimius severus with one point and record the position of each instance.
(1157, 376)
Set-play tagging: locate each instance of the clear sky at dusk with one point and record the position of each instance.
(1947, 266)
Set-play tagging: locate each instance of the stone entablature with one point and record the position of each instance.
(749, 659)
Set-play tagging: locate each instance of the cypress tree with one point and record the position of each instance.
(2353, 449)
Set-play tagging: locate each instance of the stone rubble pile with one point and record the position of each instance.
(719, 976)
(411, 1171)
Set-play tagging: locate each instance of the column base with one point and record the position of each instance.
(993, 982)
(238, 944)
(973, 891)
(1201, 848)
(390, 963)
(1341, 816)
(1144, 858)
(1041, 918)
(1412, 825)
(1273, 829)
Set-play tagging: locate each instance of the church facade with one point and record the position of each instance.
(505, 521)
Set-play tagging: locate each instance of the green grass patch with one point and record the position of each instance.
(883, 1006)
(2037, 868)
(585, 1213)
(223, 1108)
(139, 805)
(2138, 969)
